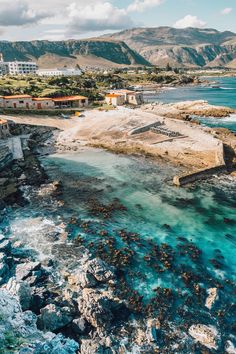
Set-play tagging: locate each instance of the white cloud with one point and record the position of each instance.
(190, 21)
(97, 16)
(142, 5)
(19, 14)
(227, 11)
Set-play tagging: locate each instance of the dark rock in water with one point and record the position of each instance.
(100, 270)
(79, 326)
(5, 246)
(25, 270)
(53, 318)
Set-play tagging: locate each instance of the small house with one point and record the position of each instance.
(115, 99)
(120, 97)
(135, 98)
(42, 103)
(18, 101)
(1, 102)
(71, 102)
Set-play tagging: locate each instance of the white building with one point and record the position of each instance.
(59, 72)
(21, 67)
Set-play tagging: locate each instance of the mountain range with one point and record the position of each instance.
(190, 48)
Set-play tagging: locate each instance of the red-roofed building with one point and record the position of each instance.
(71, 102)
(18, 101)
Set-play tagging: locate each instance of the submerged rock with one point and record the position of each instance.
(206, 335)
(212, 297)
(230, 348)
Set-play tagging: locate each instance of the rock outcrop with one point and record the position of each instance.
(206, 335)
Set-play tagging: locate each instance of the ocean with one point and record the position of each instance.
(221, 92)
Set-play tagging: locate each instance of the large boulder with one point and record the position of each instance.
(206, 335)
(81, 278)
(96, 307)
(53, 318)
(100, 270)
(25, 270)
(80, 326)
(22, 291)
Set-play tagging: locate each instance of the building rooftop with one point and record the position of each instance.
(16, 96)
(69, 98)
(113, 95)
(3, 121)
(42, 99)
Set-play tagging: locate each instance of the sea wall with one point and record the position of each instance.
(220, 167)
(199, 175)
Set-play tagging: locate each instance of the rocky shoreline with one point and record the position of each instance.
(86, 306)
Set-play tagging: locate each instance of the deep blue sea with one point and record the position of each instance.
(165, 241)
(223, 95)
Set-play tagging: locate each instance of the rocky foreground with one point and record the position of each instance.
(83, 304)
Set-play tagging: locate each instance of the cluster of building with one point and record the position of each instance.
(121, 97)
(31, 68)
(29, 102)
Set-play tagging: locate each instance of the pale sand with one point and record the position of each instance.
(196, 149)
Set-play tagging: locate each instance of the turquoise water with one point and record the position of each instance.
(163, 240)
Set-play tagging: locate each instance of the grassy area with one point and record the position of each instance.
(91, 84)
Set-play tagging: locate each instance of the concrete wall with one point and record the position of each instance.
(196, 176)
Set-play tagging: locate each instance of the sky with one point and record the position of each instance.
(72, 19)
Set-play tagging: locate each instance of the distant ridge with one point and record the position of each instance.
(94, 52)
(189, 47)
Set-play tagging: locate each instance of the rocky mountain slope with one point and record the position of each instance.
(190, 47)
(94, 52)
